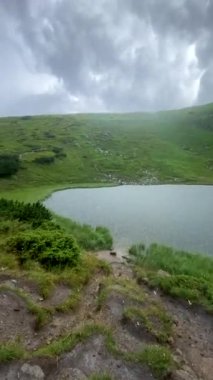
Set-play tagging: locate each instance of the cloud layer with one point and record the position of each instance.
(60, 56)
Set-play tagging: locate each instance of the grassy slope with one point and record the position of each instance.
(179, 274)
(174, 146)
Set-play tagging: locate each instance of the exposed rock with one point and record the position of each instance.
(171, 340)
(71, 374)
(179, 352)
(182, 374)
(10, 284)
(31, 372)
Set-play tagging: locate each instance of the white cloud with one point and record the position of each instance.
(115, 55)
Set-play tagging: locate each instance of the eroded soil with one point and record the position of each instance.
(191, 341)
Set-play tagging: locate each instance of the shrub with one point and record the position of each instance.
(57, 149)
(35, 213)
(58, 152)
(50, 249)
(44, 160)
(49, 135)
(9, 164)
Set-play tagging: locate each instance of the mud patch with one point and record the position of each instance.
(21, 283)
(15, 320)
(58, 296)
(139, 331)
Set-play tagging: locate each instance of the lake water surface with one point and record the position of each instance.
(175, 215)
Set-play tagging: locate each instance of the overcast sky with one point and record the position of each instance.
(63, 56)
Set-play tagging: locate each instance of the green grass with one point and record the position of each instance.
(164, 147)
(159, 360)
(41, 192)
(11, 351)
(154, 318)
(188, 276)
(128, 288)
(90, 239)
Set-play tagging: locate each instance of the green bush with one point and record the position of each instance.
(9, 164)
(34, 213)
(49, 248)
(43, 160)
(8, 226)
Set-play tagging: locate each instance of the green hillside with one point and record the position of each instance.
(63, 150)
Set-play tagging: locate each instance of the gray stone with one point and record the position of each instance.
(10, 284)
(184, 375)
(71, 374)
(32, 372)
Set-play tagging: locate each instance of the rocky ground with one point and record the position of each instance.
(104, 302)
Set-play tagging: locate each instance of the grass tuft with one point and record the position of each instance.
(154, 318)
(159, 360)
(68, 342)
(129, 288)
(10, 351)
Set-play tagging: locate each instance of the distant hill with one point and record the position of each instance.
(163, 147)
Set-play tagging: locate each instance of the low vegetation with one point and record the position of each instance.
(154, 318)
(180, 274)
(34, 213)
(11, 351)
(51, 248)
(128, 288)
(91, 239)
(9, 165)
(66, 150)
(31, 233)
(35, 246)
(159, 359)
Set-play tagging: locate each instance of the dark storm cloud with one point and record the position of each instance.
(105, 55)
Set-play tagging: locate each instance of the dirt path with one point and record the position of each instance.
(191, 342)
